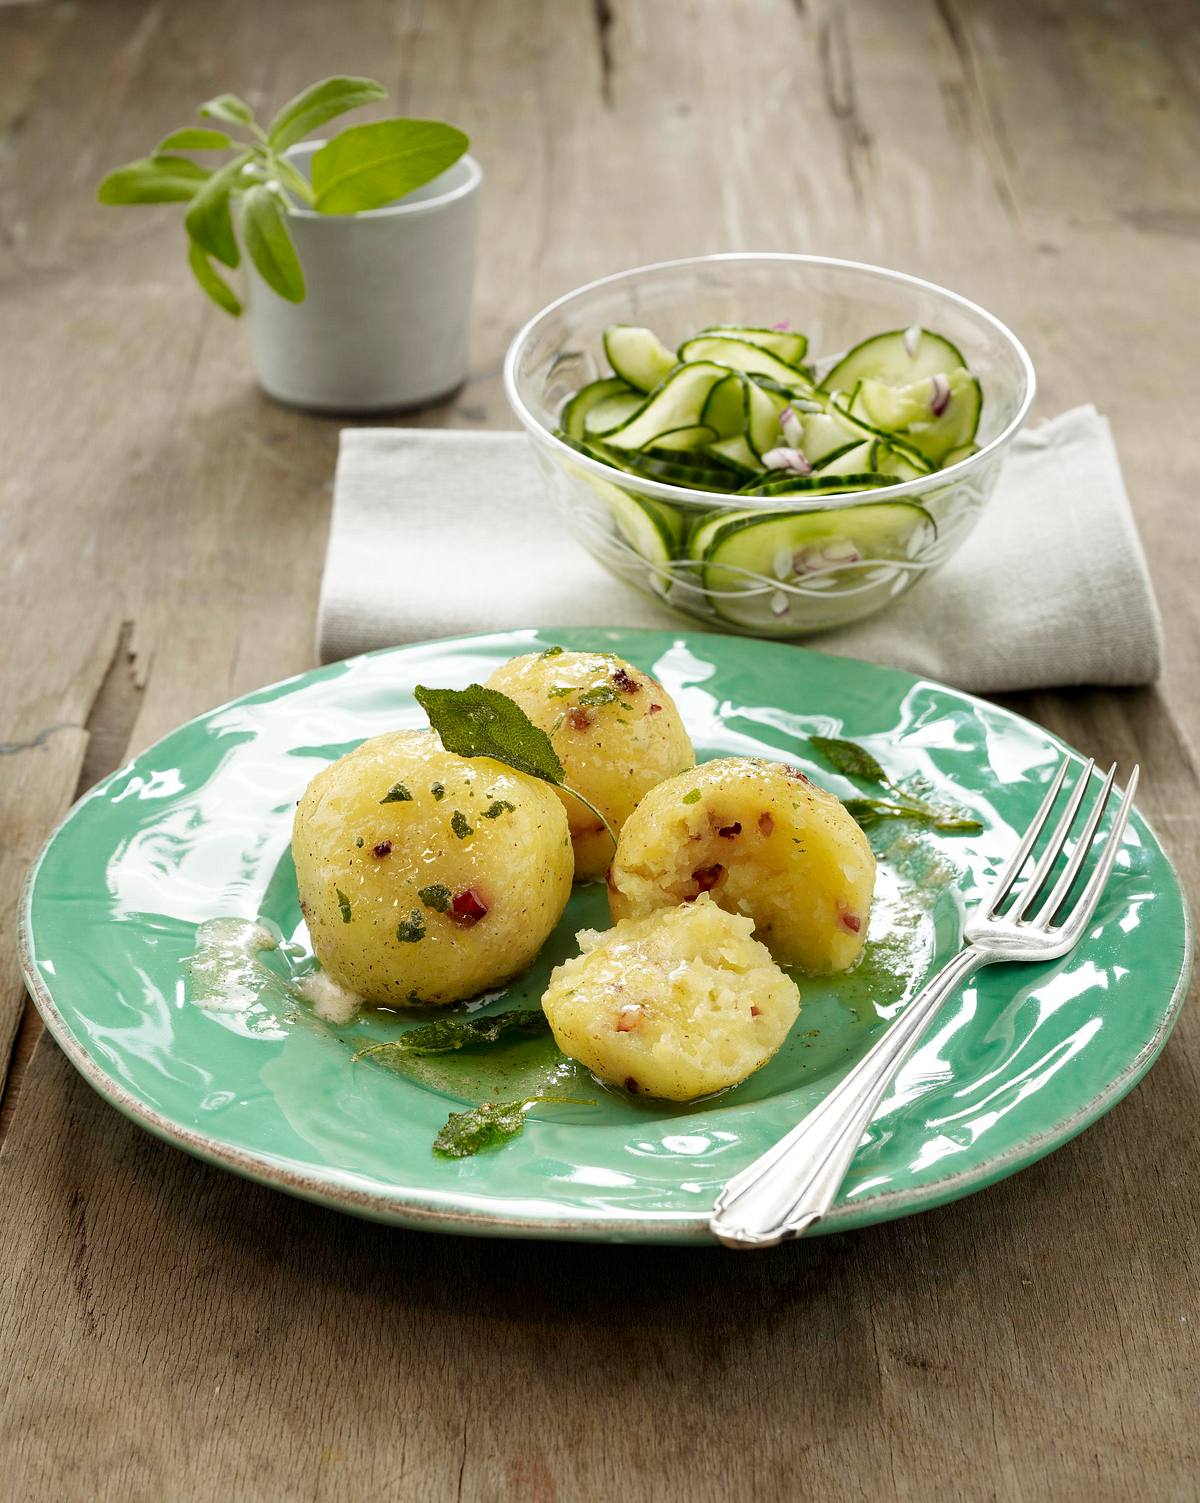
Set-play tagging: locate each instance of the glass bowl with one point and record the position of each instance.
(862, 558)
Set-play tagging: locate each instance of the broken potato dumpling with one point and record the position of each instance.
(427, 877)
(615, 729)
(765, 842)
(677, 1004)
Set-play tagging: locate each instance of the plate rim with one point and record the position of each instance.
(683, 1227)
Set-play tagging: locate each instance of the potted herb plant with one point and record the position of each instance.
(360, 249)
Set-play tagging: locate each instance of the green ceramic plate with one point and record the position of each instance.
(198, 827)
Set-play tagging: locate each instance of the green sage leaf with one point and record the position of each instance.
(194, 138)
(368, 166)
(153, 180)
(211, 281)
(209, 221)
(850, 759)
(479, 722)
(488, 1125)
(268, 243)
(448, 1034)
(318, 103)
(228, 107)
(870, 811)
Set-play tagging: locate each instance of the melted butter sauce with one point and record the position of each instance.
(240, 969)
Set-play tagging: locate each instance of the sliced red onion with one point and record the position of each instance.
(783, 326)
(787, 459)
(911, 338)
(793, 430)
(940, 399)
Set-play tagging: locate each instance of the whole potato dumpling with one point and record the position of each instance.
(766, 842)
(616, 732)
(426, 877)
(677, 1004)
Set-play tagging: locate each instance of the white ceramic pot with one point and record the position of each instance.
(386, 321)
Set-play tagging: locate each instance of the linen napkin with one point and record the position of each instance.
(438, 532)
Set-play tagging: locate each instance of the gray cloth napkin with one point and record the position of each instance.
(438, 532)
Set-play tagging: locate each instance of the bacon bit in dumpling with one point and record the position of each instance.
(755, 1012)
(629, 1017)
(765, 824)
(654, 709)
(631, 1084)
(730, 832)
(850, 921)
(794, 772)
(467, 907)
(578, 720)
(707, 877)
(384, 848)
(625, 683)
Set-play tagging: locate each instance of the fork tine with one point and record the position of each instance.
(1080, 916)
(1054, 849)
(1083, 845)
(1001, 885)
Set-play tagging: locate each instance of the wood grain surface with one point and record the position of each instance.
(171, 1332)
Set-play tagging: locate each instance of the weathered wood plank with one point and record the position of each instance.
(168, 1330)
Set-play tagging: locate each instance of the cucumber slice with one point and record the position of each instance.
(576, 409)
(826, 435)
(737, 454)
(955, 426)
(638, 355)
(740, 355)
(855, 460)
(789, 346)
(898, 460)
(725, 408)
(762, 418)
(956, 456)
(690, 436)
(819, 484)
(675, 403)
(651, 528)
(887, 357)
(749, 559)
(610, 412)
(669, 467)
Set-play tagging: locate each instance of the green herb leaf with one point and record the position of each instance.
(318, 103)
(601, 694)
(458, 823)
(264, 227)
(295, 182)
(558, 691)
(153, 180)
(368, 166)
(411, 929)
(194, 138)
(343, 904)
(486, 1126)
(479, 722)
(397, 794)
(496, 809)
(436, 896)
(551, 652)
(209, 222)
(691, 798)
(438, 792)
(228, 107)
(850, 759)
(870, 811)
(449, 1034)
(213, 283)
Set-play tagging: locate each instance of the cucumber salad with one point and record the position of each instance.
(739, 411)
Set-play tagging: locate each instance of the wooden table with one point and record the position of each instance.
(168, 1331)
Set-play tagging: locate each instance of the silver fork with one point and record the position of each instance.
(787, 1189)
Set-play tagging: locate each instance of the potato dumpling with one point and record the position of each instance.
(427, 877)
(766, 842)
(616, 732)
(678, 1004)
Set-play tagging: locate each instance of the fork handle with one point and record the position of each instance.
(787, 1189)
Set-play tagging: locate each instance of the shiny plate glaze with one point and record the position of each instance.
(198, 827)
